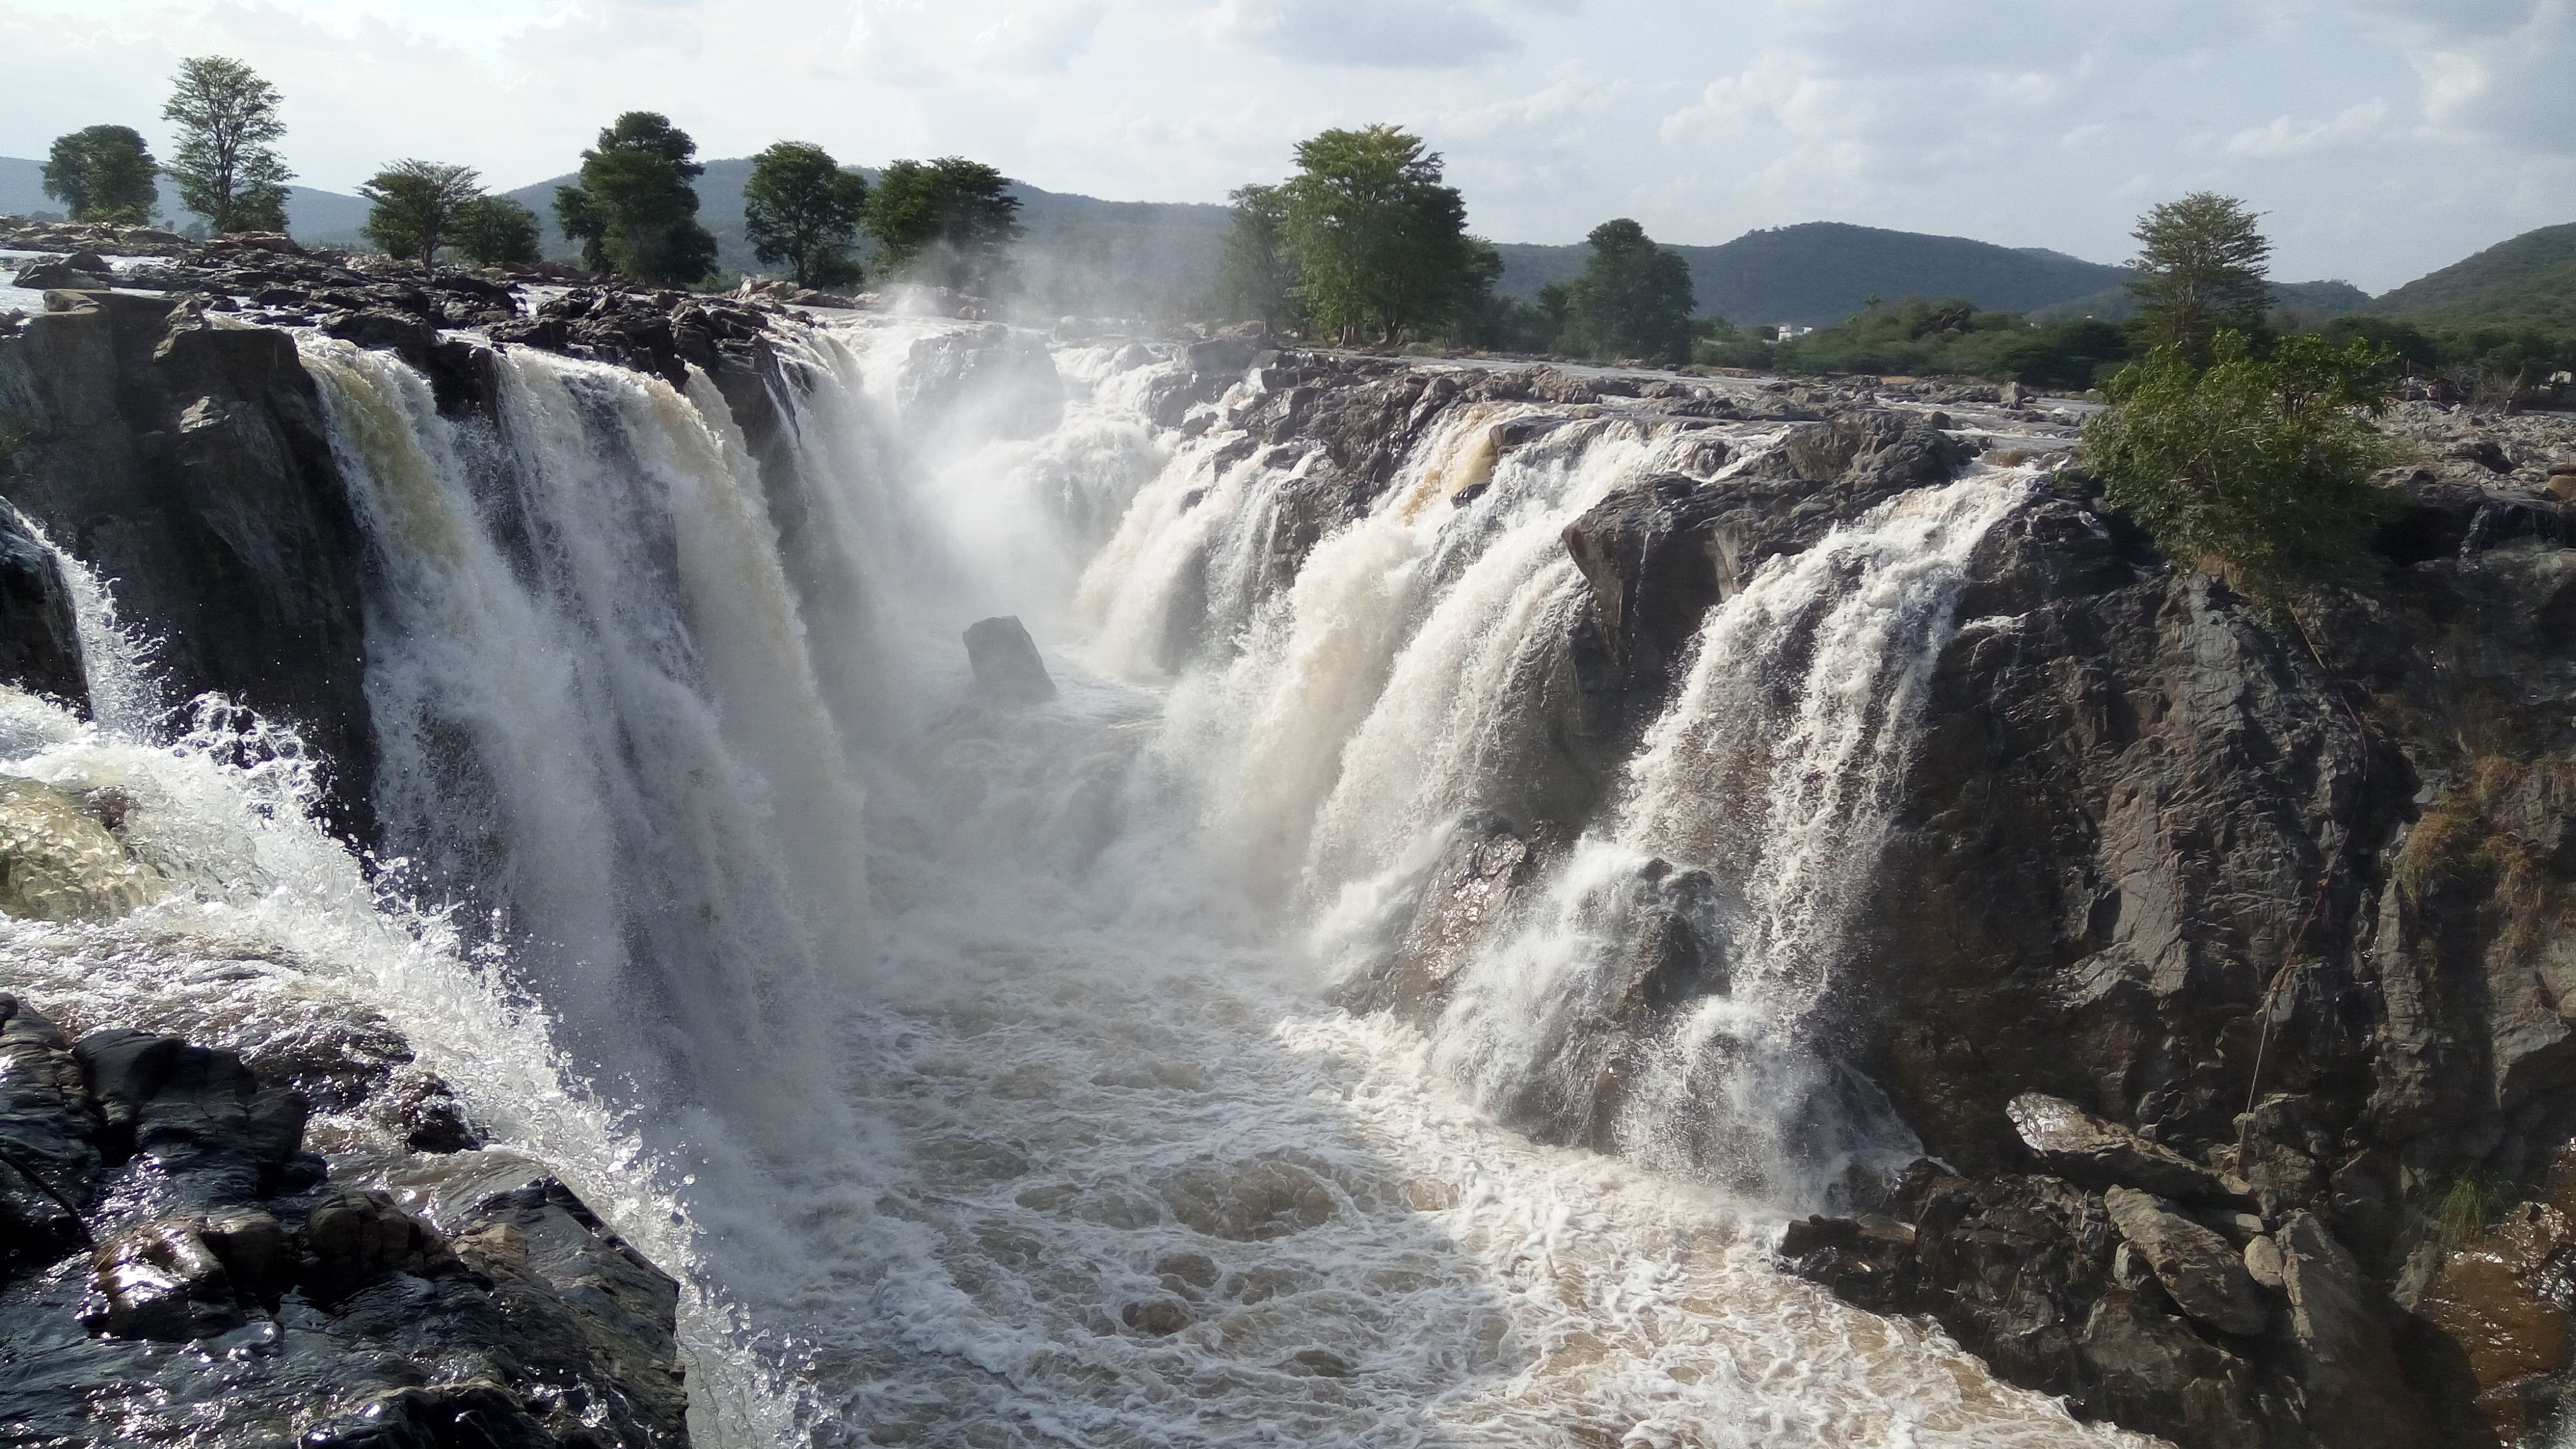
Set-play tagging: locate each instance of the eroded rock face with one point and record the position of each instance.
(177, 1266)
(186, 457)
(40, 648)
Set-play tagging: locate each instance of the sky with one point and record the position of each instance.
(2380, 138)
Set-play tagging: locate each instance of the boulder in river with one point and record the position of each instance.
(1007, 667)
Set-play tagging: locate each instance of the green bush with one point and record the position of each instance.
(2257, 467)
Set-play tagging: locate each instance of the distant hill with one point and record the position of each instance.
(2530, 279)
(2118, 304)
(1822, 272)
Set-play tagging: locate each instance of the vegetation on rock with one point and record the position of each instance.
(416, 206)
(2258, 464)
(950, 222)
(494, 231)
(801, 208)
(1633, 300)
(635, 212)
(1380, 242)
(1258, 276)
(227, 170)
(103, 174)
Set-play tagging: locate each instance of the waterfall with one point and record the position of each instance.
(1776, 769)
(970, 1062)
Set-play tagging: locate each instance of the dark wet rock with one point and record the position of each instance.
(161, 1280)
(52, 275)
(482, 1416)
(338, 1316)
(40, 646)
(2200, 1270)
(216, 1136)
(407, 333)
(49, 1130)
(2357, 1394)
(1006, 663)
(2075, 1144)
(2032, 1274)
(1659, 553)
(1664, 945)
(1484, 872)
(354, 1240)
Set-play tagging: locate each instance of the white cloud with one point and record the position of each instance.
(2285, 138)
(1390, 34)
(917, 40)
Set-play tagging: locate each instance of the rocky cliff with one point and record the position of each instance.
(2213, 954)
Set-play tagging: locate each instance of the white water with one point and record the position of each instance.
(972, 1065)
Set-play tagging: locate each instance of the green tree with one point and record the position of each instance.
(102, 173)
(415, 207)
(801, 208)
(1380, 242)
(2258, 465)
(635, 211)
(1257, 277)
(2202, 266)
(227, 171)
(1633, 300)
(494, 231)
(951, 221)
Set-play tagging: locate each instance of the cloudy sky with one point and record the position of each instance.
(2383, 138)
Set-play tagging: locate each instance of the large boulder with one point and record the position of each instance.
(2201, 1271)
(58, 864)
(2073, 1143)
(1006, 663)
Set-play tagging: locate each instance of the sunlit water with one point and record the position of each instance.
(973, 1065)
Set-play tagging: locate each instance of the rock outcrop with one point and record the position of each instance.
(178, 1265)
(1006, 663)
(186, 458)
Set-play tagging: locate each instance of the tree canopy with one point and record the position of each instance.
(103, 173)
(2259, 465)
(635, 212)
(1633, 300)
(227, 171)
(494, 231)
(416, 203)
(1379, 241)
(951, 221)
(801, 208)
(2202, 266)
(1256, 276)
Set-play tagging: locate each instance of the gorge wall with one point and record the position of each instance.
(1812, 791)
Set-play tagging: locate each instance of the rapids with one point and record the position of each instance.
(973, 1067)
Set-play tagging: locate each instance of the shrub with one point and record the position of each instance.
(2257, 465)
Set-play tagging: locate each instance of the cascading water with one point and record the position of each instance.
(970, 1062)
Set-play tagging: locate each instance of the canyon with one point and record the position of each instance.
(1537, 902)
